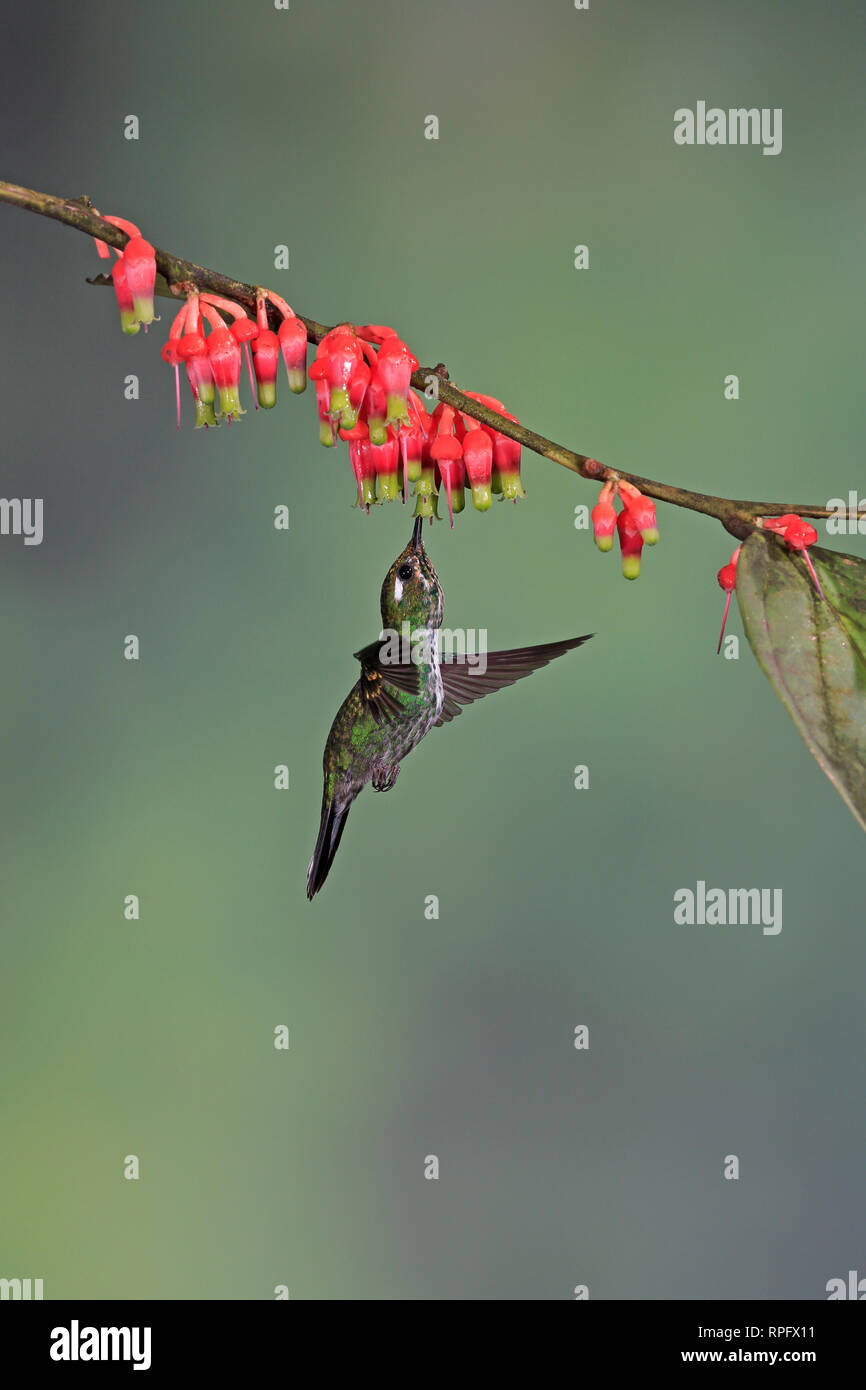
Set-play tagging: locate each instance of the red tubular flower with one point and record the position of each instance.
(797, 535)
(478, 462)
(604, 518)
(192, 350)
(327, 429)
(506, 464)
(447, 452)
(224, 353)
(134, 282)
(393, 370)
(630, 543)
(171, 350)
(386, 460)
(800, 535)
(412, 443)
(642, 510)
(266, 359)
(363, 466)
(125, 303)
(338, 360)
(727, 577)
(359, 381)
(292, 335)
(376, 332)
(425, 487)
(243, 330)
(780, 524)
(140, 262)
(374, 411)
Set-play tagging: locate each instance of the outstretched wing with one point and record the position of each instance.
(377, 675)
(462, 682)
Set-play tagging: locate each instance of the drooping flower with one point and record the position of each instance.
(727, 578)
(505, 476)
(604, 517)
(133, 275)
(327, 428)
(386, 460)
(642, 509)
(339, 358)
(506, 464)
(139, 261)
(478, 462)
(797, 535)
(125, 303)
(292, 335)
(412, 443)
(447, 453)
(393, 371)
(363, 464)
(630, 544)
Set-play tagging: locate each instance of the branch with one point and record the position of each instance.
(182, 277)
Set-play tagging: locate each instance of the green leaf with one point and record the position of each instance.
(813, 653)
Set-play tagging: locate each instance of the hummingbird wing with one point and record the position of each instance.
(377, 675)
(463, 682)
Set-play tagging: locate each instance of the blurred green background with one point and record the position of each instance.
(412, 1037)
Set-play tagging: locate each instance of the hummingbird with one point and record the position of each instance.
(394, 704)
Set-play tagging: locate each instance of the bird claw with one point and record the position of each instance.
(384, 778)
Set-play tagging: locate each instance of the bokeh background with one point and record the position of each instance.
(412, 1037)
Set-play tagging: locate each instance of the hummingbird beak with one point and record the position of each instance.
(416, 542)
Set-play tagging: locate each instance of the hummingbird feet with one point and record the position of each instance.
(384, 777)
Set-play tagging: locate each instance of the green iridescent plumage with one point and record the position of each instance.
(398, 699)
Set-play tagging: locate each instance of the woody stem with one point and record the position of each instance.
(181, 277)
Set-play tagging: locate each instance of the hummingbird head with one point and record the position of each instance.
(411, 592)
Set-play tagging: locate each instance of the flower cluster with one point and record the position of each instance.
(133, 276)
(213, 360)
(364, 398)
(362, 378)
(797, 535)
(635, 524)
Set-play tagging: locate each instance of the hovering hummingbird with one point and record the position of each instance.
(395, 704)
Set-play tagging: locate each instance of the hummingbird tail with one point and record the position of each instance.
(330, 832)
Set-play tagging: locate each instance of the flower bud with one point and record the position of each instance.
(128, 321)
(140, 264)
(630, 543)
(448, 454)
(478, 462)
(604, 518)
(225, 360)
(292, 335)
(642, 509)
(266, 357)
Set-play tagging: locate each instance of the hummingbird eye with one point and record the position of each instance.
(405, 572)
